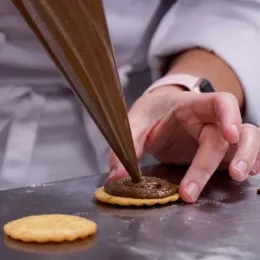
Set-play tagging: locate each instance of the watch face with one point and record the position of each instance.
(205, 86)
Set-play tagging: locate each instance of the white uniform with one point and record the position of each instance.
(45, 135)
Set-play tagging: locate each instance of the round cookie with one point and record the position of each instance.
(50, 228)
(51, 248)
(147, 188)
(104, 197)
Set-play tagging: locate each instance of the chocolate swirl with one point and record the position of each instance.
(147, 188)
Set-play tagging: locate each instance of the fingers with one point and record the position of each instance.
(231, 122)
(141, 119)
(147, 111)
(210, 153)
(246, 159)
(214, 107)
(117, 170)
(256, 166)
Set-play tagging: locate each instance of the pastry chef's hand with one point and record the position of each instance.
(200, 130)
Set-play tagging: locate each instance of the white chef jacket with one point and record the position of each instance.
(45, 134)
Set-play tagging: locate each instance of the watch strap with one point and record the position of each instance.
(191, 83)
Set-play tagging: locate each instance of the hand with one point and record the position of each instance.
(200, 130)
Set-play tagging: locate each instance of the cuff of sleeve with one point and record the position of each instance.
(233, 35)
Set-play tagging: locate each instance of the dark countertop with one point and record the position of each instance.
(224, 224)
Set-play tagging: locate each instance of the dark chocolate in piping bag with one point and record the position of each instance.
(75, 34)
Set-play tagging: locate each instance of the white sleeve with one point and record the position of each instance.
(230, 28)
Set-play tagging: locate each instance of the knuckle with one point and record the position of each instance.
(205, 168)
(250, 133)
(213, 136)
(205, 172)
(179, 113)
(250, 127)
(222, 101)
(222, 146)
(225, 96)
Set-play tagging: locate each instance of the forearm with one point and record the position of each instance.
(205, 64)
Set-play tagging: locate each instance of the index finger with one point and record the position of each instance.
(209, 155)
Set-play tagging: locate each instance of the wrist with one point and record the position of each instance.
(183, 82)
(205, 64)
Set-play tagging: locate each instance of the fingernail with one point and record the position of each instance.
(235, 130)
(256, 166)
(242, 167)
(192, 189)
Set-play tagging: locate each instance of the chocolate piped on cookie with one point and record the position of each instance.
(147, 188)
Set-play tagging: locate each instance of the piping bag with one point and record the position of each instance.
(75, 35)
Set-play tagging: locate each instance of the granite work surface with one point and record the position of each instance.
(224, 224)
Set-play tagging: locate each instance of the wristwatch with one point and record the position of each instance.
(188, 82)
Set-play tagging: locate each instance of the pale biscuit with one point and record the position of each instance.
(51, 248)
(50, 228)
(103, 196)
